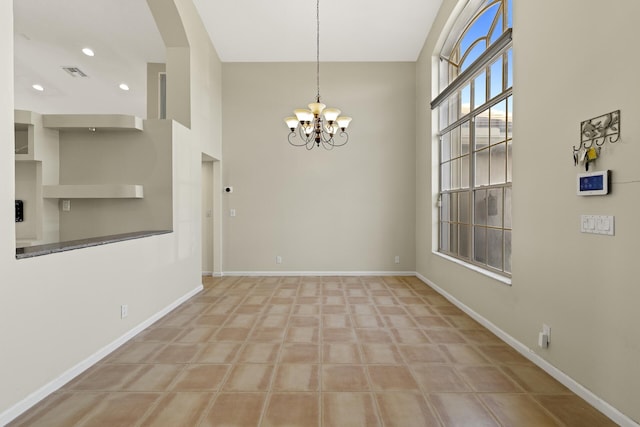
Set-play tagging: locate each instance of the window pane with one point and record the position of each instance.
(453, 238)
(464, 208)
(495, 87)
(481, 168)
(445, 147)
(464, 138)
(474, 53)
(453, 216)
(498, 164)
(494, 248)
(481, 131)
(444, 236)
(494, 207)
(465, 96)
(480, 90)
(507, 251)
(497, 31)
(480, 244)
(507, 207)
(455, 143)
(464, 172)
(480, 207)
(445, 177)
(464, 239)
(445, 204)
(497, 122)
(443, 114)
(455, 173)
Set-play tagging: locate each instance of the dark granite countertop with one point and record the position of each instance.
(51, 248)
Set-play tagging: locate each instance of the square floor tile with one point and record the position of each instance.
(488, 379)
(218, 352)
(381, 353)
(300, 353)
(402, 409)
(303, 335)
(261, 352)
(340, 353)
(391, 377)
(201, 378)
(236, 409)
(292, 410)
(296, 377)
(344, 378)
(349, 409)
(517, 409)
(439, 379)
(253, 377)
(462, 409)
(178, 409)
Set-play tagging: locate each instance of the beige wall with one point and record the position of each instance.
(67, 305)
(570, 65)
(103, 157)
(350, 209)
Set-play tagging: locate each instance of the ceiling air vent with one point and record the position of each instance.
(74, 71)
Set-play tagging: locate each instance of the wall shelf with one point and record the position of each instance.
(92, 122)
(113, 191)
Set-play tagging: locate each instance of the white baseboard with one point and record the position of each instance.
(318, 273)
(44, 391)
(602, 406)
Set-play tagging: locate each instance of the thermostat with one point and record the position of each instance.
(593, 183)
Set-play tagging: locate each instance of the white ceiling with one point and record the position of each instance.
(49, 34)
(350, 30)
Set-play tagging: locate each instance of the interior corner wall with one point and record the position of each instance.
(349, 209)
(153, 89)
(584, 286)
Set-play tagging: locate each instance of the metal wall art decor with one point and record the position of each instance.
(593, 134)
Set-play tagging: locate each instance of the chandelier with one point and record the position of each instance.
(318, 125)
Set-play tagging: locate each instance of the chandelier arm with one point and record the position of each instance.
(303, 139)
(343, 135)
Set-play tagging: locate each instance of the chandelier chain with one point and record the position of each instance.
(318, 48)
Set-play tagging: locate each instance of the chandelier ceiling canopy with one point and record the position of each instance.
(318, 125)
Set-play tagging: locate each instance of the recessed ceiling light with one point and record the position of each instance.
(124, 86)
(87, 51)
(38, 87)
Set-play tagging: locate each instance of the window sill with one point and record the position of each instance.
(492, 275)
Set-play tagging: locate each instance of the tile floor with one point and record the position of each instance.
(314, 351)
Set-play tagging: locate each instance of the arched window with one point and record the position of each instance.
(475, 138)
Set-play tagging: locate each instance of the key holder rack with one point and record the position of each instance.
(593, 135)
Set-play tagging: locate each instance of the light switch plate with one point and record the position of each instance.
(597, 224)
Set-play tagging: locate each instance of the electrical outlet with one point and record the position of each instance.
(278, 259)
(124, 311)
(66, 205)
(232, 212)
(397, 260)
(546, 329)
